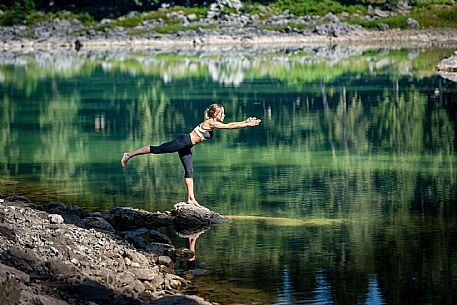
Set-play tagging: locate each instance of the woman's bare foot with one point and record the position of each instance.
(194, 202)
(125, 158)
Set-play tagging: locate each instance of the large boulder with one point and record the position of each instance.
(190, 217)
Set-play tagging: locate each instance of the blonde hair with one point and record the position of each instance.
(211, 111)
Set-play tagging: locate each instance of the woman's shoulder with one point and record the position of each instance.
(208, 125)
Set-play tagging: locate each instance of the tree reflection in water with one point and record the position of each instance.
(360, 135)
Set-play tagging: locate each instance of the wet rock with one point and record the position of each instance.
(70, 214)
(189, 216)
(135, 239)
(17, 200)
(155, 236)
(181, 300)
(179, 254)
(159, 248)
(124, 217)
(97, 223)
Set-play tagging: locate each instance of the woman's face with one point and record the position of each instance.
(220, 115)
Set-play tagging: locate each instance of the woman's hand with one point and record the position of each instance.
(253, 121)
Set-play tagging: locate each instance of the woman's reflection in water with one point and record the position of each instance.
(191, 237)
(191, 243)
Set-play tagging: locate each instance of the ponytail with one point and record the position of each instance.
(206, 115)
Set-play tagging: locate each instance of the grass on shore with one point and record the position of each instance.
(428, 17)
(429, 14)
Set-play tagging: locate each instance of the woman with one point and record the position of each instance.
(213, 119)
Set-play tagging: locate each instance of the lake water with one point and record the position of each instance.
(345, 194)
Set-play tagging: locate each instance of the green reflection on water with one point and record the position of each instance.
(362, 138)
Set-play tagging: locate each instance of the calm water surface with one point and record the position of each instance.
(345, 194)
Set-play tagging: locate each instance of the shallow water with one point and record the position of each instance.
(345, 194)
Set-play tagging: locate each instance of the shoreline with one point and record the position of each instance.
(393, 38)
(62, 255)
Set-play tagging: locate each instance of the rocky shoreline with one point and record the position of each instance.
(219, 28)
(61, 254)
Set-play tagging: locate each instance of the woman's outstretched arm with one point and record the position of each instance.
(249, 122)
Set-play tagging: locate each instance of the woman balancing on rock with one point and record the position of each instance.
(182, 144)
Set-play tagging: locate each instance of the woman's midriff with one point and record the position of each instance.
(195, 138)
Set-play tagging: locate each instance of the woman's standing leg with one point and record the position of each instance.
(185, 155)
(190, 192)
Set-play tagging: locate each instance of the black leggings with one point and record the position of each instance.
(181, 144)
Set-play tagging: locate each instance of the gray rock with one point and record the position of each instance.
(135, 287)
(130, 218)
(11, 280)
(70, 214)
(97, 223)
(46, 300)
(22, 258)
(165, 260)
(156, 236)
(55, 219)
(10, 289)
(18, 275)
(190, 216)
(192, 17)
(7, 230)
(181, 300)
(146, 274)
(15, 199)
(412, 23)
(380, 13)
(159, 248)
(331, 17)
(383, 26)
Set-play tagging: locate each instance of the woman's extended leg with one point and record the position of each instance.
(140, 151)
(172, 146)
